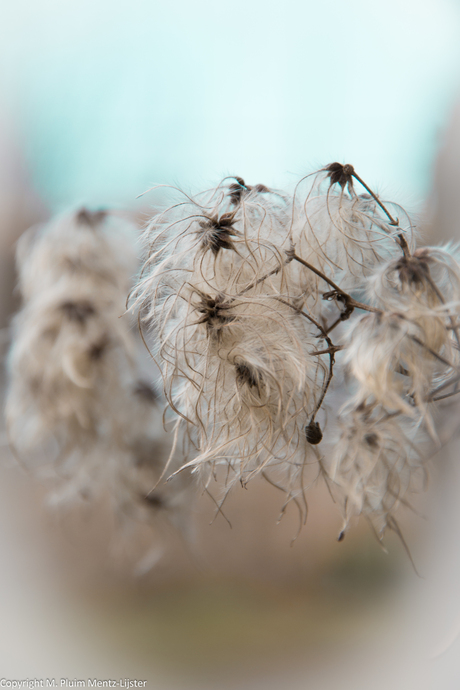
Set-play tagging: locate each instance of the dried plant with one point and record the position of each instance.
(251, 301)
(241, 290)
(75, 396)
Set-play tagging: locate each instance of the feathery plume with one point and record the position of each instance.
(74, 391)
(242, 287)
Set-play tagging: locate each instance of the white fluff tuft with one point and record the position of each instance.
(74, 392)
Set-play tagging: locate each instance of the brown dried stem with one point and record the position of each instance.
(331, 350)
(393, 221)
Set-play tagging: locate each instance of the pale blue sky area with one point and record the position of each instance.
(110, 98)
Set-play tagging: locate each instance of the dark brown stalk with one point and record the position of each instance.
(344, 297)
(264, 277)
(393, 221)
(312, 429)
(343, 175)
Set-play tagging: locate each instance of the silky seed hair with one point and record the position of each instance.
(341, 232)
(240, 292)
(250, 300)
(402, 359)
(376, 467)
(233, 346)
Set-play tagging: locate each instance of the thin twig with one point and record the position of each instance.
(344, 295)
(330, 351)
(436, 355)
(393, 221)
(333, 349)
(264, 277)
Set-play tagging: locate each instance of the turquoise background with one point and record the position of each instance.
(110, 98)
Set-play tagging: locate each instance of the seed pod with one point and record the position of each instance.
(313, 433)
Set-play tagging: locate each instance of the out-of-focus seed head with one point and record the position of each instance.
(90, 218)
(78, 311)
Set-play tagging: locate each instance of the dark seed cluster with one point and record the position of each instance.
(78, 311)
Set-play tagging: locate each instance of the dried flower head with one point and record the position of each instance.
(74, 390)
(240, 293)
(242, 288)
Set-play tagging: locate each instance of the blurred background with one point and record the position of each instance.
(101, 101)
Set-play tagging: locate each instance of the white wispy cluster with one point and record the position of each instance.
(75, 396)
(403, 358)
(238, 299)
(242, 287)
